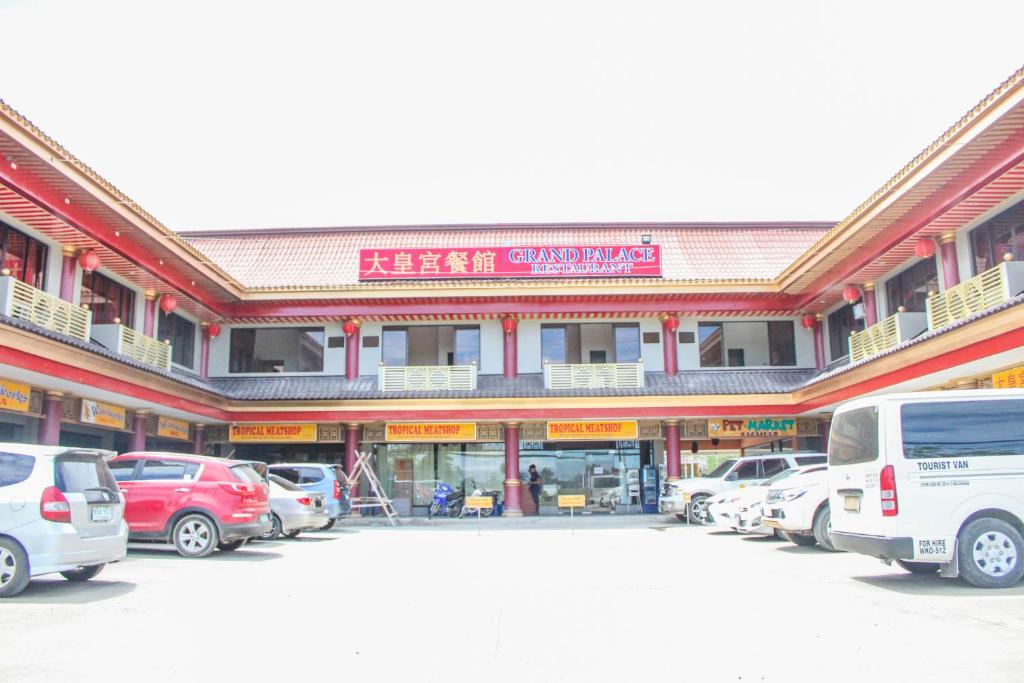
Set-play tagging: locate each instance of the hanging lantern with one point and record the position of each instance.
(89, 261)
(508, 325)
(809, 321)
(671, 323)
(925, 247)
(349, 328)
(168, 302)
(851, 293)
(213, 331)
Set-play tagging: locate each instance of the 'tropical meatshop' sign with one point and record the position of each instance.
(510, 262)
(273, 433)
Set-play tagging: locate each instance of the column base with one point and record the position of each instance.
(512, 513)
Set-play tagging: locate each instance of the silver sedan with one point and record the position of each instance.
(294, 510)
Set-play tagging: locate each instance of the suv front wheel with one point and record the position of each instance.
(195, 536)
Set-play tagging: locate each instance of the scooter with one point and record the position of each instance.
(484, 512)
(446, 499)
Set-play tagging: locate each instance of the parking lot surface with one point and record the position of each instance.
(618, 600)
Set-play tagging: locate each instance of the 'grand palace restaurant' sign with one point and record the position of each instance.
(517, 262)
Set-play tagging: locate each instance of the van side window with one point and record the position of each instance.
(854, 437)
(962, 429)
(811, 459)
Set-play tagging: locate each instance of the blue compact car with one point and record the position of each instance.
(326, 479)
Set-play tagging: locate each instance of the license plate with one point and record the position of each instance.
(851, 503)
(264, 519)
(102, 513)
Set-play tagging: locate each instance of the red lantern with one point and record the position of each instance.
(672, 323)
(851, 293)
(809, 321)
(509, 325)
(349, 328)
(925, 247)
(168, 302)
(89, 261)
(213, 331)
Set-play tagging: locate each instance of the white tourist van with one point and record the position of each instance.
(932, 480)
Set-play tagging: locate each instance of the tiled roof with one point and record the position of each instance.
(329, 257)
(694, 382)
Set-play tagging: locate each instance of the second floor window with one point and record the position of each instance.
(910, 288)
(23, 256)
(108, 300)
(590, 343)
(840, 324)
(430, 345)
(277, 349)
(182, 334)
(746, 344)
(997, 237)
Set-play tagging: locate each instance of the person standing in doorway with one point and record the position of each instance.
(535, 487)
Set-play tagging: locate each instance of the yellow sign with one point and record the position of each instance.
(103, 414)
(572, 501)
(1009, 379)
(596, 430)
(479, 502)
(430, 431)
(14, 396)
(740, 427)
(273, 433)
(171, 428)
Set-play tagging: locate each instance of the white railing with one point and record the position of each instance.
(25, 302)
(427, 377)
(135, 345)
(984, 290)
(886, 334)
(593, 375)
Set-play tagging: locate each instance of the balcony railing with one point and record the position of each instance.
(25, 302)
(427, 377)
(987, 289)
(135, 345)
(594, 376)
(886, 334)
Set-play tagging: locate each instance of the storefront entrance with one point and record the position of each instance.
(410, 471)
(600, 470)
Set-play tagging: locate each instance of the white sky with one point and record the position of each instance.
(238, 114)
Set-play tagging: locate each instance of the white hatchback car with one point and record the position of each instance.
(61, 512)
(933, 481)
(798, 507)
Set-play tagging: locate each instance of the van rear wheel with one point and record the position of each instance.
(823, 529)
(989, 553)
(919, 567)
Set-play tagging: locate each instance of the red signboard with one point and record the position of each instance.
(511, 262)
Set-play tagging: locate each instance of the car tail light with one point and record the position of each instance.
(337, 490)
(887, 484)
(304, 501)
(54, 507)
(238, 489)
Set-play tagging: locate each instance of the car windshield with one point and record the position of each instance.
(84, 473)
(284, 483)
(721, 469)
(781, 475)
(246, 473)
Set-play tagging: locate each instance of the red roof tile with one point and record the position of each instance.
(329, 257)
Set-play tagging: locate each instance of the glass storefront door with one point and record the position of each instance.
(410, 471)
(599, 470)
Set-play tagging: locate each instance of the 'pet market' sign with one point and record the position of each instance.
(510, 262)
(752, 426)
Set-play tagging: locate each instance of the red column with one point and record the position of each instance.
(137, 442)
(950, 267)
(199, 439)
(49, 428)
(352, 433)
(870, 304)
(669, 347)
(819, 344)
(351, 328)
(204, 351)
(673, 462)
(513, 487)
(68, 271)
(149, 321)
(510, 328)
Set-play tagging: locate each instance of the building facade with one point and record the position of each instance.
(604, 354)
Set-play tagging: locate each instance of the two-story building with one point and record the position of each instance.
(465, 353)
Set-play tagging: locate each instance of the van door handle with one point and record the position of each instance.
(182, 490)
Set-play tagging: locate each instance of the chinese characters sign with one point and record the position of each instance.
(510, 262)
(1009, 379)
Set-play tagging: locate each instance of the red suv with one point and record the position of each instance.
(196, 502)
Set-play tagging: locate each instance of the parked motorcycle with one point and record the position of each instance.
(446, 500)
(484, 512)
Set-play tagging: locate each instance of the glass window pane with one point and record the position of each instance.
(963, 429)
(982, 250)
(711, 345)
(182, 334)
(24, 256)
(277, 349)
(910, 288)
(393, 347)
(14, 254)
(627, 343)
(853, 438)
(243, 349)
(840, 324)
(781, 343)
(108, 300)
(552, 344)
(467, 345)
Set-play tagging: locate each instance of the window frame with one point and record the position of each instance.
(768, 323)
(126, 302)
(41, 256)
(898, 280)
(251, 355)
(857, 326)
(173, 336)
(1012, 218)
